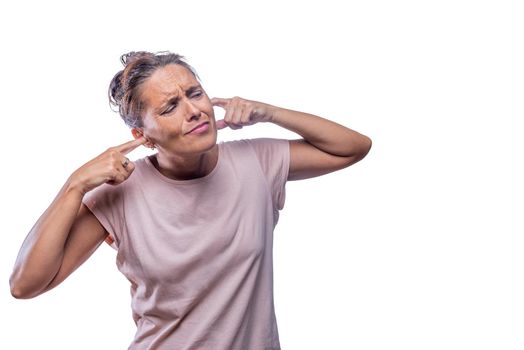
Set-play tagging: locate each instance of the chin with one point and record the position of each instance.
(203, 144)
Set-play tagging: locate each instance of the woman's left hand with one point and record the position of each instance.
(240, 112)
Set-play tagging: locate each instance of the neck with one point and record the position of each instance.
(186, 168)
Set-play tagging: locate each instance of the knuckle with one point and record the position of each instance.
(119, 178)
(112, 153)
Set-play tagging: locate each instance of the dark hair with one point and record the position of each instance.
(124, 89)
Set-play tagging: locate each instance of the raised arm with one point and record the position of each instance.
(42, 253)
(326, 146)
(67, 233)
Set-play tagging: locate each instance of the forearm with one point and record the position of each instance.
(324, 134)
(41, 254)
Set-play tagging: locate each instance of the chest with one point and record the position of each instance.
(199, 232)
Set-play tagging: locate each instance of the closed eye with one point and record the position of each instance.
(197, 94)
(169, 109)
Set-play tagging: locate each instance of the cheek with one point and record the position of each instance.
(204, 104)
(209, 109)
(153, 132)
(164, 131)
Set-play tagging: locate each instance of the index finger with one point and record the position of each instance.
(221, 102)
(130, 145)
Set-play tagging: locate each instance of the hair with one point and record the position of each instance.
(124, 89)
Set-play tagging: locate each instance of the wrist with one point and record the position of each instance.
(274, 113)
(74, 186)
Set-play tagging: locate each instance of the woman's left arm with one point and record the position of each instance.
(326, 146)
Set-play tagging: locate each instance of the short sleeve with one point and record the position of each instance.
(273, 156)
(106, 204)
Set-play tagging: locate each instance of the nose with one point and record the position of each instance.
(192, 111)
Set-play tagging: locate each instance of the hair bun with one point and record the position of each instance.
(132, 56)
(116, 93)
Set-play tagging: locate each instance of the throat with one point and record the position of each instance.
(186, 169)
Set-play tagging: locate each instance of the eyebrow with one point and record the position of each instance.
(189, 91)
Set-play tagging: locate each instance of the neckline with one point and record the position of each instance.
(164, 178)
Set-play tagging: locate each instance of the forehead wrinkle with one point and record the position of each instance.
(172, 74)
(169, 81)
(166, 89)
(172, 93)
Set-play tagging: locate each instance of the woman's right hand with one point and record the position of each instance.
(108, 167)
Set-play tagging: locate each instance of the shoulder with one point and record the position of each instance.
(141, 162)
(268, 146)
(272, 153)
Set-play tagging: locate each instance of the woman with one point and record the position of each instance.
(193, 223)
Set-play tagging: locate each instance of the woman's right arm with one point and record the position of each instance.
(42, 252)
(67, 233)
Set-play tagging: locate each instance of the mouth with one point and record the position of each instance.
(200, 127)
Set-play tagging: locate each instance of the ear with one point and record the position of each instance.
(138, 132)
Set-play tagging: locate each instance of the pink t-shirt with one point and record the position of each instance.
(199, 252)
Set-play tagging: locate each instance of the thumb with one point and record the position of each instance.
(220, 124)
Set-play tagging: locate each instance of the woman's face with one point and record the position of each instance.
(174, 104)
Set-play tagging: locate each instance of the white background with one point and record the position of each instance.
(418, 246)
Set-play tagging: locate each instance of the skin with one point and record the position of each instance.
(180, 155)
(325, 146)
(67, 233)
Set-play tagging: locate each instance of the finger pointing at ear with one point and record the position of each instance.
(131, 145)
(220, 102)
(241, 112)
(233, 108)
(111, 167)
(223, 103)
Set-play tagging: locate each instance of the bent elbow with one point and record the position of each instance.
(21, 294)
(18, 292)
(365, 146)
